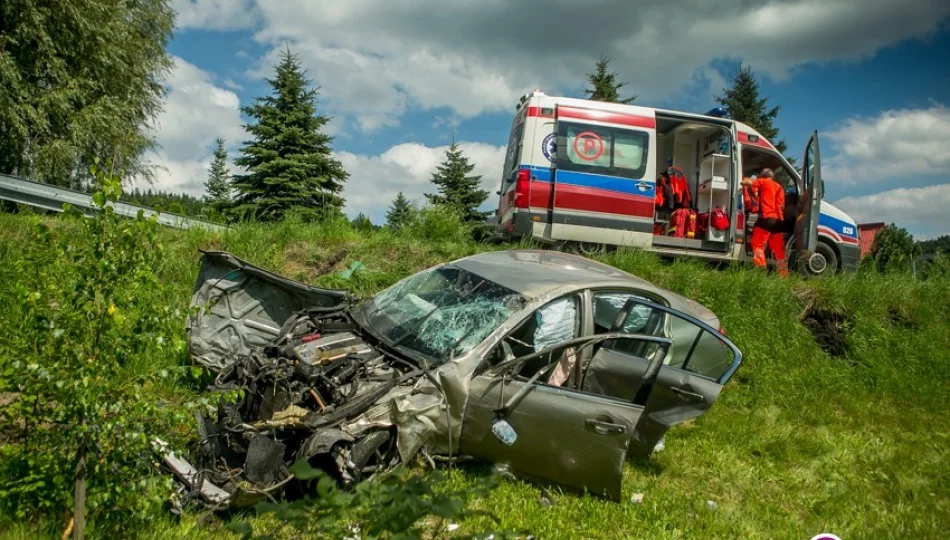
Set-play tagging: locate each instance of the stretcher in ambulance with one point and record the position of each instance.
(585, 175)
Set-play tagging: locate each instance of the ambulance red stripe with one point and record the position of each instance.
(607, 117)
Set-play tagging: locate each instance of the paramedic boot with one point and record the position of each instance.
(758, 257)
(782, 267)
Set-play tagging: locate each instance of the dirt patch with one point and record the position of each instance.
(307, 262)
(327, 265)
(830, 328)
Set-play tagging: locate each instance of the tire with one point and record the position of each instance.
(822, 263)
(372, 454)
(586, 249)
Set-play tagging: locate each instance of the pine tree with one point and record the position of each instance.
(745, 104)
(218, 185)
(362, 223)
(400, 213)
(604, 85)
(456, 188)
(289, 162)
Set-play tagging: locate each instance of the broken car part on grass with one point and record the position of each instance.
(551, 364)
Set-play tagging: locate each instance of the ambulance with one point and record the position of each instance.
(583, 175)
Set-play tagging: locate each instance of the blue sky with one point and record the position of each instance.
(399, 78)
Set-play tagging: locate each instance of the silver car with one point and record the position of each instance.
(552, 364)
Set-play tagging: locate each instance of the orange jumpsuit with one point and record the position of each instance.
(768, 228)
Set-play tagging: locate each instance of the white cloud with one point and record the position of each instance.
(919, 210)
(232, 85)
(177, 176)
(214, 14)
(376, 58)
(195, 113)
(898, 143)
(375, 180)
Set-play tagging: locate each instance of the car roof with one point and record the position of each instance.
(536, 273)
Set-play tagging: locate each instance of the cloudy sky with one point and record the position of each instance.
(399, 77)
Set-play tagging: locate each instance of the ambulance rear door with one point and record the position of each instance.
(603, 185)
(807, 225)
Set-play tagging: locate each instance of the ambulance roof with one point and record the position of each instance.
(746, 134)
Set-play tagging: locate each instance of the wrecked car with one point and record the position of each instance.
(554, 365)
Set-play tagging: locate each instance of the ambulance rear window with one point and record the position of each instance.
(513, 155)
(602, 150)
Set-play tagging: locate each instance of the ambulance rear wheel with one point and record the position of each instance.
(823, 262)
(587, 249)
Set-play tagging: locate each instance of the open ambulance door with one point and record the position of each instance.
(601, 193)
(806, 226)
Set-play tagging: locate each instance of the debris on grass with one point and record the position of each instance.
(712, 506)
(637, 498)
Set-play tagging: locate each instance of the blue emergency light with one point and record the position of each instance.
(718, 112)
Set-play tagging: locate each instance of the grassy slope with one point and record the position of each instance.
(798, 443)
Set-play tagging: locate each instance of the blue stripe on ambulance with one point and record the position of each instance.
(643, 187)
(841, 227)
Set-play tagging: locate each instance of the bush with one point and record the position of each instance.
(403, 505)
(82, 311)
(437, 223)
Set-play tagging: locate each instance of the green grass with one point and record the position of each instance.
(799, 442)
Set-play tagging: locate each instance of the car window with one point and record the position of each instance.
(694, 349)
(697, 350)
(442, 310)
(555, 322)
(607, 307)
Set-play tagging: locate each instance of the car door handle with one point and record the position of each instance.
(606, 428)
(687, 394)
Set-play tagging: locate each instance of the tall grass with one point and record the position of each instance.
(799, 442)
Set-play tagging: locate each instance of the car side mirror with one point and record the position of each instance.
(504, 432)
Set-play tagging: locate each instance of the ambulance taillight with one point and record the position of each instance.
(522, 188)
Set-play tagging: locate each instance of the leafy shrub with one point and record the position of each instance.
(437, 223)
(82, 310)
(400, 505)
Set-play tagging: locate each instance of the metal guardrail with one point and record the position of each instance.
(47, 197)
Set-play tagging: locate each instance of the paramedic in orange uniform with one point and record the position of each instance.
(768, 228)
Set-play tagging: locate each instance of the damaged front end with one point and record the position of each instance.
(302, 383)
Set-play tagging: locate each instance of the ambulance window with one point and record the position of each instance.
(513, 157)
(602, 150)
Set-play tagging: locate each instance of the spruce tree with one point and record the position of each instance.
(604, 85)
(400, 213)
(362, 223)
(745, 104)
(218, 186)
(289, 160)
(456, 188)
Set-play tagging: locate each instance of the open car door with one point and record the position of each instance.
(579, 439)
(806, 227)
(689, 381)
(240, 307)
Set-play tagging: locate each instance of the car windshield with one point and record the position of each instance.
(441, 311)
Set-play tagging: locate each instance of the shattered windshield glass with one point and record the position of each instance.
(441, 311)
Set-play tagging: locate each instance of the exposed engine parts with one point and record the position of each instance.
(294, 395)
